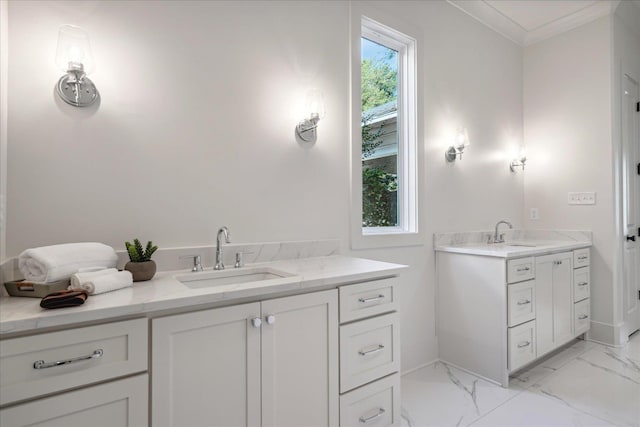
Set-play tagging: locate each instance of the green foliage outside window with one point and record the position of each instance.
(379, 187)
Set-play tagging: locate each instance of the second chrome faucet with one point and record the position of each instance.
(223, 231)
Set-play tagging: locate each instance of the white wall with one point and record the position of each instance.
(567, 129)
(195, 130)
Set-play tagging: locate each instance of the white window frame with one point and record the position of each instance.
(407, 231)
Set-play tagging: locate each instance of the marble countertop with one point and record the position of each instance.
(514, 249)
(518, 243)
(165, 292)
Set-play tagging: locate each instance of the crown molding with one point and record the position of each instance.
(503, 25)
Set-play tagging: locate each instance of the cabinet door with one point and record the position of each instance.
(121, 403)
(206, 368)
(554, 301)
(300, 360)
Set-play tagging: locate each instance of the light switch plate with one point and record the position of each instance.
(534, 214)
(582, 198)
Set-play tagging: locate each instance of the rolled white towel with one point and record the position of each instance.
(81, 277)
(108, 282)
(58, 262)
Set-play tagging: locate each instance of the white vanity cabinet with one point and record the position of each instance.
(39, 371)
(269, 363)
(497, 315)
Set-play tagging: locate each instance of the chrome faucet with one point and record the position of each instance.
(222, 231)
(499, 238)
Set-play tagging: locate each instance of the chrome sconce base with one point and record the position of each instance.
(515, 163)
(306, 130)
(76, 89)
(452, 153)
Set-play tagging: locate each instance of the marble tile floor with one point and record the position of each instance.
(586, 384)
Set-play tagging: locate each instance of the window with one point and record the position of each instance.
(384, 138)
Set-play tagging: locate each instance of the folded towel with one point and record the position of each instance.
(58, 262)
(61, 299)
(79, 278)
(108, 282)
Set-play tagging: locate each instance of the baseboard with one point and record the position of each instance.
(417, 368)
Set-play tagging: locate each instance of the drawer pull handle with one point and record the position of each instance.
(41, 364)
(583, 284)
(557, 262)
(371, 299)
(582, 258)
(523, 269)
(524, 302)
(582, 317)
(380, 347)
(380, 413)
(524, 344)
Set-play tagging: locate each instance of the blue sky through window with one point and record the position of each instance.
(372, 50)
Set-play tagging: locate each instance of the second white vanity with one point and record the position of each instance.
(503, 306)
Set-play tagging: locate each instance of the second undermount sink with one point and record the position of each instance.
(231, 277)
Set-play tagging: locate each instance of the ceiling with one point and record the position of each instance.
(528, 21)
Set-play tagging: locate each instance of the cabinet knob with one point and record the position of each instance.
(256, 322)
(271, 319)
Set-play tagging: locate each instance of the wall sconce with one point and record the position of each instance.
(314, 108)
(462, 141)
(73, 55)
(519, 161)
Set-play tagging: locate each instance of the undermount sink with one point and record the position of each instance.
(231, 277)
(525, 245)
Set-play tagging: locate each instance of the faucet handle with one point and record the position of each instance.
(197, 264)
(240, 258)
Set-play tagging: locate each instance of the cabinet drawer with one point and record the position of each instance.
(119, 403)
(367, 299)
(581, 257)
(581, 284)
(581, 316)
(519, 270)
(522, 345)
(45, 363)
(376, 404)
(522, 302)
(369, 349)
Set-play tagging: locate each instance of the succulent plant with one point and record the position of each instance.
(139, 254)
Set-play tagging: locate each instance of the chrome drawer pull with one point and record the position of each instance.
(520, 270)
(375, 350)
(582, 317)
(380, 413)
(583, 284)
(41, 364)
(524, 344)
(582, 258)
(524, 302)
(371, 299)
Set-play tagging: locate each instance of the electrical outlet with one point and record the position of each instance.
(534, 214)
(583, 198)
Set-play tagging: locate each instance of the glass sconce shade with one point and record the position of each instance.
(306, 129)
(73, 49)
(461, 141)
(73, 55)
(519, 161)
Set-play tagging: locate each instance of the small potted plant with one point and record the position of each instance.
(141, 266)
